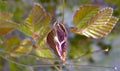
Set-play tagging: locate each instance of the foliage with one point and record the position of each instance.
(33, 51)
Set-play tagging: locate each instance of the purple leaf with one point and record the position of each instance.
(57, 40)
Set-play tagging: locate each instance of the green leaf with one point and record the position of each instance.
(5, 15)
(24, 29)
(4, 31)
(5, 23)
(101, 24)
(83, 14)
(78, 47)
(44, 53)
(11, 42)
(43, 50)
(25, 46)
(16, 67)
(36, 22)
(4, 5)
(35, 16)
(44, 27)
(42, 39)
(5, 19)
(14, 47)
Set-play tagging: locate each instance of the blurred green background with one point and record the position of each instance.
(77, 45)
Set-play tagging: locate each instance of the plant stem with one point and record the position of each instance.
(60, 68)
(29, 68)
(63, 11)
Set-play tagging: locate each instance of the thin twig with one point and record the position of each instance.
(29, 68)
(60, 64)
(63, 11)
(60, 69)
(87, 55)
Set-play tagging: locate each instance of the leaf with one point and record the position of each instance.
(24, 29)
(11, 42)
(5, 19)
(79, 48)
(4, 31)
(43, 50)
(5, 15)
(36, 22)
(35, 15)
(43, 31)
(57, 40)
(5, 23)
(15, 67)
(101, 24)
(24, 47)
(99, 32)
(14, 46)
(83, 14)
(44, 53)
(44, 27)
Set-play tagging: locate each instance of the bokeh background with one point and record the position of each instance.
(77, 45)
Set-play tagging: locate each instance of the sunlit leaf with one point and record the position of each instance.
(5, 19)
(5, 23)
(43, 31)
(5, 15)
(83, 14)
(24, 47)
(44, 53)
(36, 22)
(4, 31)
(24, 29)
(44, 27)
(99, 25)
(35, 17)
(100, 31)
(36, 26)
(42, 49)
(11, 42)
